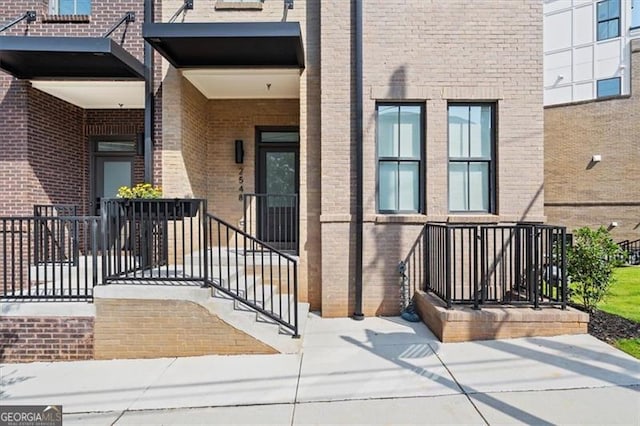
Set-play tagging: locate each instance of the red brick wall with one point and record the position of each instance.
(28, 339)
(43, 140)
(57, 151)
(48, 147)
(15, 174)
(104, 14)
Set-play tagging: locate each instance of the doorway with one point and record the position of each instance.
(277, 182)
(113, 167)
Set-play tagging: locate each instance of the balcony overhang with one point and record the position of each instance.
(228, 45)
(67, 58)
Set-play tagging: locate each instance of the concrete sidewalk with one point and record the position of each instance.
(378, 371)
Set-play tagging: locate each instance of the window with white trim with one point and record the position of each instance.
(70, 7)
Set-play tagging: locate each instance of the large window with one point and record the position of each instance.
(608, 19)
(400, 141)
(70, 7)
(471, 157)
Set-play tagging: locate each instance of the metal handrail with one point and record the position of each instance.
(239, 287)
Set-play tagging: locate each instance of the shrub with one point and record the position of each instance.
(590, 263)
(141, 190)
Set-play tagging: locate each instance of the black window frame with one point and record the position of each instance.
(398, 160)
(599, 96)
(609, 19)
(492, 160)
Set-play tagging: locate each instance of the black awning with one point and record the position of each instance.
(218, 44)
(67, 58)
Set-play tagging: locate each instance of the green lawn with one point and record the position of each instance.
(624, 297)
(630, 346)
(624, 300)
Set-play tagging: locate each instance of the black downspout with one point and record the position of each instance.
(148, 98)
(358, 314)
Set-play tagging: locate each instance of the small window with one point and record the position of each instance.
(608, 19)
(239, 5)
(400, 150)
(116, 146)
(70, 7)
(471, 157)
(609, 87)
(279, 137)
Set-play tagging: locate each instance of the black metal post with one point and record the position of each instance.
(426, 259)
(358, 314)
(479, 285)
(103, 225)
(447, 273)
(148, 97)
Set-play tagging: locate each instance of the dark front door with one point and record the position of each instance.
(113, 159)
(111, 173)
(277, 184)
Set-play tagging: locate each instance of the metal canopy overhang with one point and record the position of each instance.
(218, 44)
(67, 58)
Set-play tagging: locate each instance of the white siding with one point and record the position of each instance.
(573, 59)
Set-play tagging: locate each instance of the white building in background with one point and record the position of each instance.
(587, 48)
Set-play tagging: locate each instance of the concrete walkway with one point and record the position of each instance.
(378, 371)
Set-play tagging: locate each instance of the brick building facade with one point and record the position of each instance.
(484, 56)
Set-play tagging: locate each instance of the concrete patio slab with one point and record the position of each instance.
(82, 386)
(325, 332)
(599, 406)
(209, 381)
(453, 409)
(279, 414)
(360, 372)
(538, 363)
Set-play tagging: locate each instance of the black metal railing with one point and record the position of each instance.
(165, 241)
(631, 249)
(272, 218)
(522, 264)
(59, 245)
(23, 246)
(153, 240)
(174, 241)
(260, 275)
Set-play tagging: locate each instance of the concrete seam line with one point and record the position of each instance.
(149, 385)
(119, 417)
(295, 397)
(459, 385)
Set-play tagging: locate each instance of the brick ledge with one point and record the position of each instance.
(464, 323)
